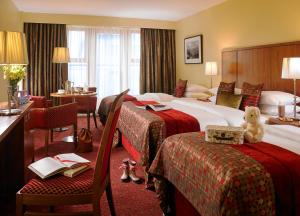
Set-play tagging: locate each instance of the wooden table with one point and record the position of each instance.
(73, 96)
(16, 153)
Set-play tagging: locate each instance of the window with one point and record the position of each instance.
(108, 58)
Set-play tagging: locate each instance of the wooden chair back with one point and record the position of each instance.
(103, 157)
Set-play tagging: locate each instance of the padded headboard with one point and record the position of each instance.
(260, 64)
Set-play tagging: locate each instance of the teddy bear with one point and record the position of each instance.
(254, 130)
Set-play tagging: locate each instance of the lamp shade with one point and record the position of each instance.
(60, 55)
(291, 68)
(13, 48)
(211, 68)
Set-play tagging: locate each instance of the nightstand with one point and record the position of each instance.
(277, 121)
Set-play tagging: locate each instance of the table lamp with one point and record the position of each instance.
(291, 70)
(61, 56)
(211, 69)
(13, 51)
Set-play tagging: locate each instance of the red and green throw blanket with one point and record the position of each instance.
(250, 179)
(176, 121)
(147, 129)
(106, 103)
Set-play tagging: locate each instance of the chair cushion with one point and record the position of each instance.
(61, 185)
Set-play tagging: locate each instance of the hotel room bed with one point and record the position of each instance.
(249, 179)
(145, 130)
(286, 137)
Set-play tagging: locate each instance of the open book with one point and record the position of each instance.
(155, 107)
(69, 164)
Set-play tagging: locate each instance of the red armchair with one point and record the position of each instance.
(54, 117)
(86, 105)
(40, 102)
(86, 188)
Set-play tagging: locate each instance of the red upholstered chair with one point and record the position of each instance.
(92, 89)
(86, 105)
(54, 117)
(40, 102)
(86, 188)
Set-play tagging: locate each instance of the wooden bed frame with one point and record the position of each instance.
(260, 64)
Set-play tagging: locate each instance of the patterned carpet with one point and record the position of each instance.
(129, 198)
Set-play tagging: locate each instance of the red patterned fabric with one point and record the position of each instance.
(251, 95)
(284, 168)
(250, 100)
(180, 88)
(61, 185)
(176, 121)
(105, 104)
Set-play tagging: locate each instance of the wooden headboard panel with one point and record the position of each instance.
(260, 64)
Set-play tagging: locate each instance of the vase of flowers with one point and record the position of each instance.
(14, 74)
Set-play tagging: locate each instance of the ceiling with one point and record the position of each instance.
(171, 10)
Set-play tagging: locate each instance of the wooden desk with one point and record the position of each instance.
(16, 152)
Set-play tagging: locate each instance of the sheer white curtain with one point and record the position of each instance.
(108, 58)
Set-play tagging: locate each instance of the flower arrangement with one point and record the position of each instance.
(14, 74)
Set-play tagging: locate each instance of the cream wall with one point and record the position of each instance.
(95, 20)
(236, 23)
(10, 19)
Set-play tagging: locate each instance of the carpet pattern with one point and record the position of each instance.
(129, 198)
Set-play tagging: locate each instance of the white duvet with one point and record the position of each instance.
(285, 136)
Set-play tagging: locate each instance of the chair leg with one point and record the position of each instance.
(96, 208)
(19, 205)
(46, 141)
(51, 135)
(110, 199)
(95, 120)
(88, 119)
(75, 135)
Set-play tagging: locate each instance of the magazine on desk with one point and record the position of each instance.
(69, 164)
(155, 107)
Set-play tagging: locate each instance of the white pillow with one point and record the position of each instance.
(195, 88)
(213, 99)
(237, 91)
(215, 90)
(200, 95)
(273, 110)
(276, 97)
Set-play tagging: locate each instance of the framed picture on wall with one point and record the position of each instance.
(193, 50)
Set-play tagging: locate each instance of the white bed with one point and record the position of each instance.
(207, 113)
